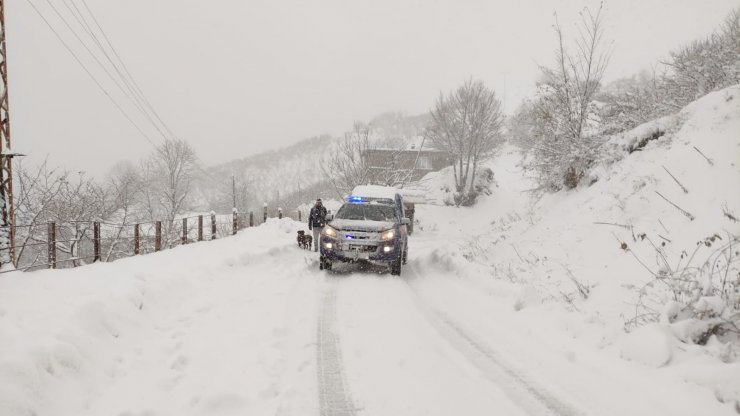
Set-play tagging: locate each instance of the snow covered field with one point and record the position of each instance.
(487, 318)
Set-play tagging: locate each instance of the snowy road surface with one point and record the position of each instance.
(233, 327)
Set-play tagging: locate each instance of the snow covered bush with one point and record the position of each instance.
(629, 102)
(482, 186)
(704, 65)
(691, 71)
(699, 300)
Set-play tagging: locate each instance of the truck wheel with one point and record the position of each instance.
(327, 264)
(405, 255)
(321, 263)
(396, 267)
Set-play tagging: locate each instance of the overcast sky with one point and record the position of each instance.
(236, 77)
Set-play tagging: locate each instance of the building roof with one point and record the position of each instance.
(412, 146)
(375, 191)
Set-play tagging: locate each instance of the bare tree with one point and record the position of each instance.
(124, 186)
(564, 109)
(467, 124)
(34, 190)
(168, 177)
(347, 167)
(70, 199)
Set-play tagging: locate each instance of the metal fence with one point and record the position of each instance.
(57, 245)
(67, 244)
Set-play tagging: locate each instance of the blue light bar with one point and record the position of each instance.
(354, 199)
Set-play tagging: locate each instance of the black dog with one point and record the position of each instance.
(304, 240)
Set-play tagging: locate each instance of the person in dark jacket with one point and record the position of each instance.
(316, 222)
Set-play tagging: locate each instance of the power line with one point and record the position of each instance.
(115, 103)
(84, 45)
(100, 64)
(125, 75)
(125, 68)
(86, 27)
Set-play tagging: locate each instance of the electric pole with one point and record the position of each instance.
(505, 92)
(233, 186)
(7, 230)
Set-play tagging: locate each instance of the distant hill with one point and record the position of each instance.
(291, 176)
(393, 129)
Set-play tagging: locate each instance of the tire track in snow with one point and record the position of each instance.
(334, 396)
(532, 398)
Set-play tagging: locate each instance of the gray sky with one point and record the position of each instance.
(235, 77)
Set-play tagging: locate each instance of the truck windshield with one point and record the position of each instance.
(370, 212)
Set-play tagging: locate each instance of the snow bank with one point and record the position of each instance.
(651, 345)
(144, 335)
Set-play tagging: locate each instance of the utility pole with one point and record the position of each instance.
(7, 230)
(233, 186)
(505, 92)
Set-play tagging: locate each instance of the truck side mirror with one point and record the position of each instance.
(405, 221)
(329, 217)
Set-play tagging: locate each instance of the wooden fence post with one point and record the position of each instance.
(200, 228)
(280, 213)
(299, 216)
(235, 221)
(251, 218)
(213, 225)
(158, 236)
(96, 241)
(184, 230)
(264, 214)
(51, 237)
(136, 239)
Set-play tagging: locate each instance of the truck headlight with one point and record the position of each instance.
(329, 231)
(387, 235)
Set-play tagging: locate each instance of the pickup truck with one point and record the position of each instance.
(369, 227)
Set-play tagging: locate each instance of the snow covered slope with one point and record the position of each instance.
(565, 248)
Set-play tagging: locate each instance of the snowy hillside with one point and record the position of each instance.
(565, 248)
(268, 174)
(292, 175)
(514, 306)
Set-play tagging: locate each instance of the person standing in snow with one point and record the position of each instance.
(316, 222)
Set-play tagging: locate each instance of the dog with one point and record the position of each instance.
(304, 240)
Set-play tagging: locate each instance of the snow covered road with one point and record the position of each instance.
(234, 327)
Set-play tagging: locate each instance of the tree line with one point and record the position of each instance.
(565, 125)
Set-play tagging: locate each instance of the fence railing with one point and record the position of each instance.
(76, 243)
